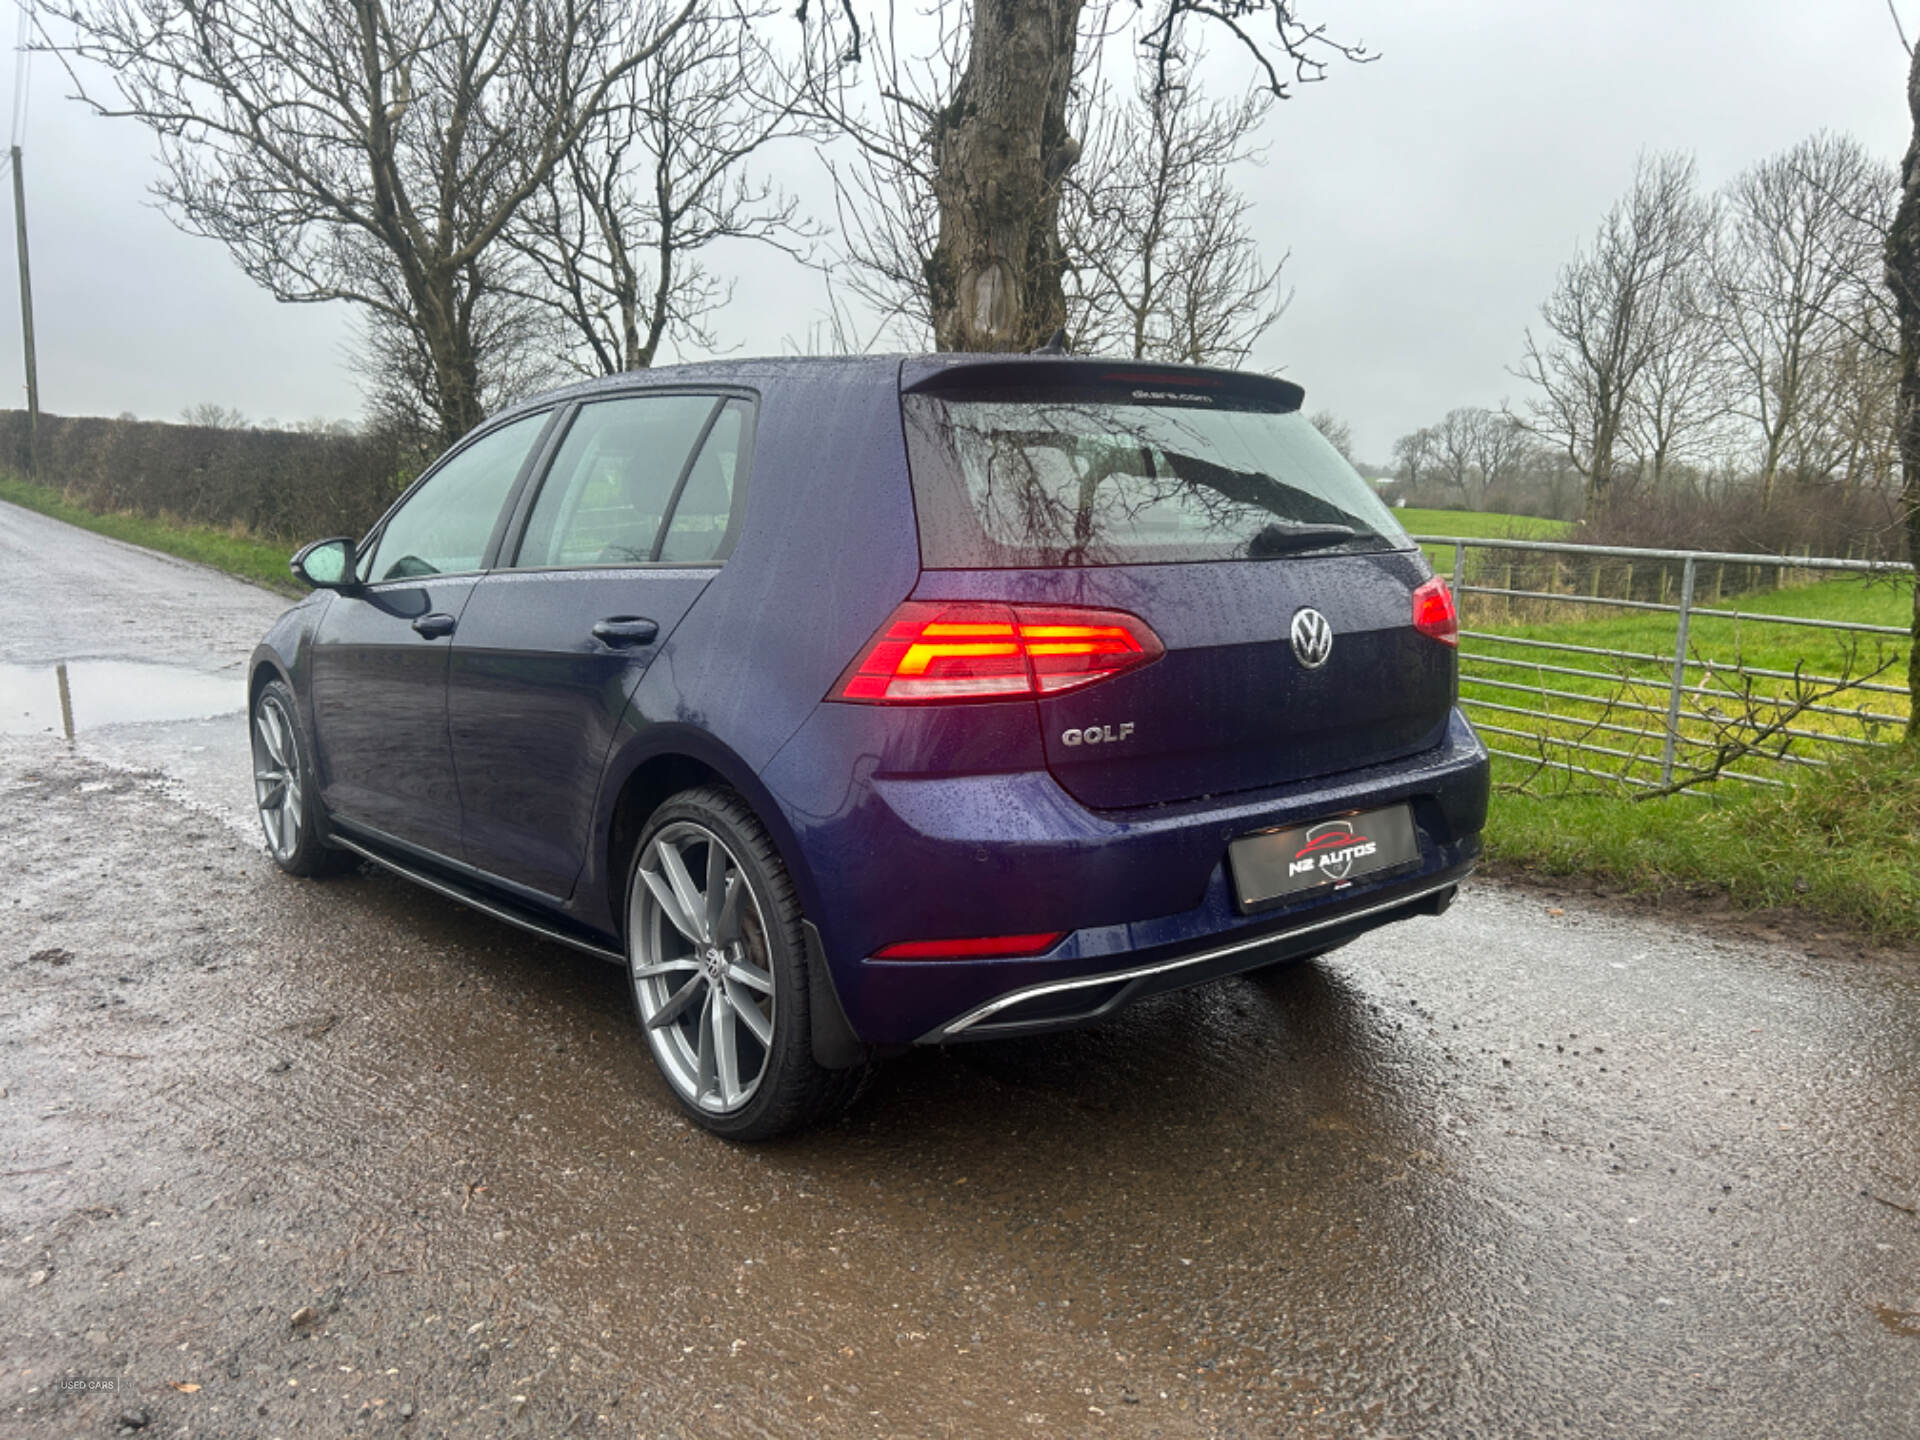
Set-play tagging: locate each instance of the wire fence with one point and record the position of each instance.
(1674, 669)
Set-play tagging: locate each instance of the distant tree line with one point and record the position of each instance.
(1736, 348)
(291, 484)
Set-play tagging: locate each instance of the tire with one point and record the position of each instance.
(720, 986)
(283, 789)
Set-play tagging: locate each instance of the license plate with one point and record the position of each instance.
(1328, 854)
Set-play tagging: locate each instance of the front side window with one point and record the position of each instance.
(613, 480)
(444, 526)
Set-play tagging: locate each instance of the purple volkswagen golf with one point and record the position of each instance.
(857, 704)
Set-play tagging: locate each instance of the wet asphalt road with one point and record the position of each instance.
(322, 1158)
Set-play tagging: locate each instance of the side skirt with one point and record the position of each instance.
(493, 905)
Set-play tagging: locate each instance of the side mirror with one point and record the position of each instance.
(326, 565)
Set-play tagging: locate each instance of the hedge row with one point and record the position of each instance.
(276, 483)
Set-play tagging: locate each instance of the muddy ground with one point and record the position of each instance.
(293, 1158)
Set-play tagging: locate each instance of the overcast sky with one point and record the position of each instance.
(1426, 199)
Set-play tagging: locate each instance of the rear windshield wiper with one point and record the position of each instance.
(1276, 540)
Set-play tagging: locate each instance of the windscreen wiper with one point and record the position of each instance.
(1276, 539)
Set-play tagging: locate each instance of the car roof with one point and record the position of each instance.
(867, 369)
(903, 371)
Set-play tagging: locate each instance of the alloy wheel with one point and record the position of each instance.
(702, 971)
(276, 777)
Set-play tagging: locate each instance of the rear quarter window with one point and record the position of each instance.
(1024, 483)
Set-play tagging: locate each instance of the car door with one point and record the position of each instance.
(637, 510)
(379, 686)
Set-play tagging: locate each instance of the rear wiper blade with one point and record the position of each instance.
(1291, 539)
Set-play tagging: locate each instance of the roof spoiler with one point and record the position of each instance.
(1091, 378)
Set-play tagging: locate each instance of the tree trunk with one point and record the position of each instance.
(445, 319)
(1600, 467)
(1000, 149)
(1770, 466)
(1903, 278)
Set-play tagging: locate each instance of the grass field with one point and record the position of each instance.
(264, 562)
(1474, 524)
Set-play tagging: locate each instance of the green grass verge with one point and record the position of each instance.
(261, 561)
(1845, 844)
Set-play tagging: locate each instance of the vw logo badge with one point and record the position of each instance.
(1312, 637)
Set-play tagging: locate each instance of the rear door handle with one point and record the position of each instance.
(623, 630)
(435, 625)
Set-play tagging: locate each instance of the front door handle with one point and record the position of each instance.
(622, 630)
(435, 625)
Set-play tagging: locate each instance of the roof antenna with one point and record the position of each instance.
(1056, 343)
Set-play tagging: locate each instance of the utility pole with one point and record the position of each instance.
(26, 317)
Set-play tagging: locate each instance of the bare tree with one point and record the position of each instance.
(1849, 431)
(1452, 454)
(613, 236)
(215, 417)
(324, 142)
(1161, 262)
(1338, 433)
(1803, 229)
(1683, 394)
(1501, 448)
(888, 216)
(1158, 260)
(1603, 324)
(1417, 456)
(521, 341)
(995, 145)
(1471, 452)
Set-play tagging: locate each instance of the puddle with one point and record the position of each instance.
(114, 692)
(1900, 1322)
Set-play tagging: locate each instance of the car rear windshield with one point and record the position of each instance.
(1024, 482)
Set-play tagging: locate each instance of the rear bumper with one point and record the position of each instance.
(1086, 999)
(1144, 895)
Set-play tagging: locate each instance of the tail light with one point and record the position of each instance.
(934, 651)
(982, 947)
(1434, 614)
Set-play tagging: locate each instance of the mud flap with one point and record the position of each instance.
(835, 1046)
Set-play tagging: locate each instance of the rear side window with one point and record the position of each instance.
(703, 516)
(1022, 483)
(612, 483)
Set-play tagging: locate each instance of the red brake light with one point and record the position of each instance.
(977, 948)
(1434, 614)
(933, 651)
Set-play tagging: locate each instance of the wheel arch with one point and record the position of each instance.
(644, 777)
(661, 765)
(264, 666)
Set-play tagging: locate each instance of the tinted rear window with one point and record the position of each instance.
(1019, 483)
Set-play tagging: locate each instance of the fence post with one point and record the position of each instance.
(1679, 674)
(1459, 579)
